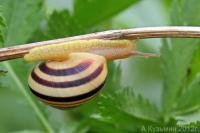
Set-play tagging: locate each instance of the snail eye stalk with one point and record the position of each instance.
(144, 55)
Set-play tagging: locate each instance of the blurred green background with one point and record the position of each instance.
(157, 92)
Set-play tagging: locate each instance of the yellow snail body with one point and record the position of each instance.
(110, 49)
(74, 72)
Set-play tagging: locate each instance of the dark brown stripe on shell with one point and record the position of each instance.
(64, 72)
(67, 84)
(67, 99)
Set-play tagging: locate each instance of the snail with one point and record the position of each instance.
(74, 72)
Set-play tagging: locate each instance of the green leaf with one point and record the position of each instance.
(195, 65)
(137, 105)
(1, 34)
(167, 3)
(175, 58)
(22, 19)
(18, 84)
(176, 55)
(189, 100)
(183, 14)
(112, 115)
(193, 15)
(191, 92)
(2, 25)
(122, 105)
(61, 24)
(14, 107)
(89, 13)
(124, 99)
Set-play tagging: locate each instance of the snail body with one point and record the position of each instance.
(70, 82)
(110, 49)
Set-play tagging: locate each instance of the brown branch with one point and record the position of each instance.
(135, 33)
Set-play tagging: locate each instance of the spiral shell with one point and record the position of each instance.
(68, 83)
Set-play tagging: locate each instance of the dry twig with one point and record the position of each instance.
(135, 33)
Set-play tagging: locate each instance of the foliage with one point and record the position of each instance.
(19, 16)
(177, 54)
(120, 108)
(2, 25)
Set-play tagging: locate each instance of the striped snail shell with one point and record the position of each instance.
(70, 82)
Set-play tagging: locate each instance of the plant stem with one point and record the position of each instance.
(131, 34)
(21, 87)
